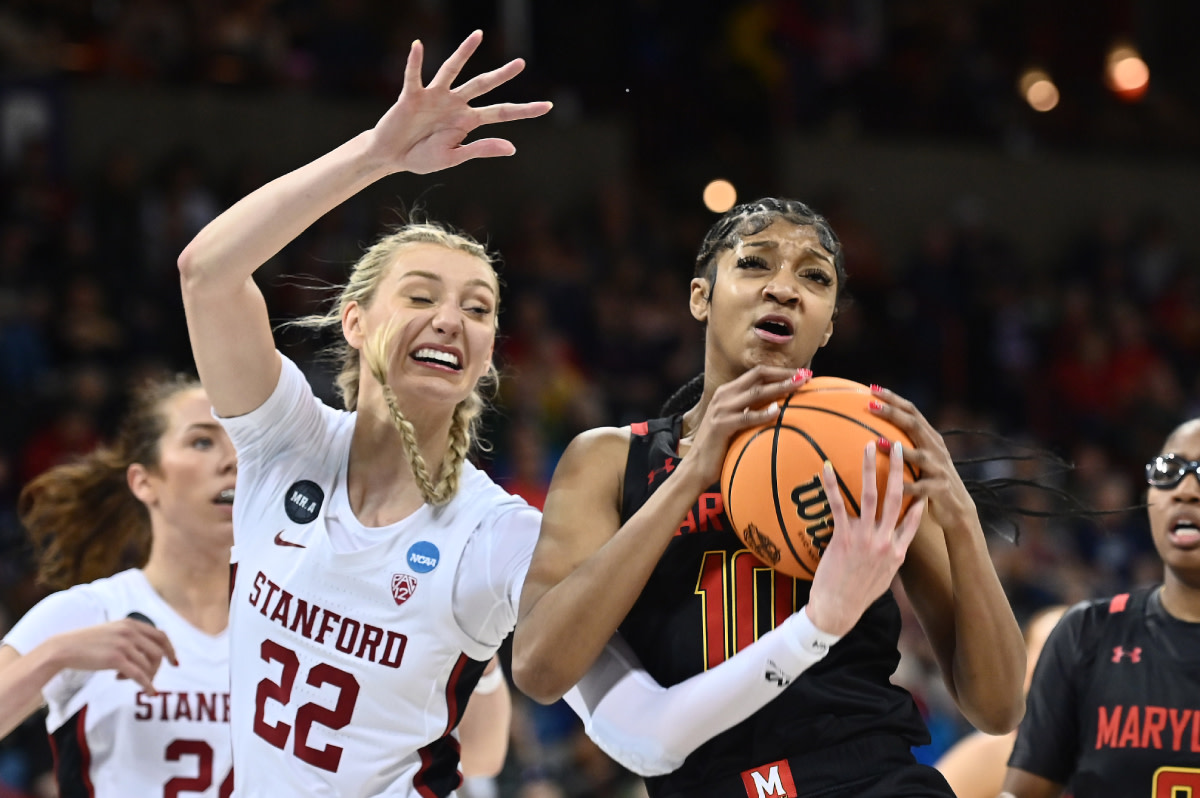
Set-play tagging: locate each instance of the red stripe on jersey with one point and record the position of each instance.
(85, 753)
(452, 693)
(419, 779)
(438, 775)
(1117, 604)
(640, 428)
(73, 759)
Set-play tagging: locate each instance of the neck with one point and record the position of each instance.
(714, 378)
(193, 579)
(1180, 599)
(381, 483)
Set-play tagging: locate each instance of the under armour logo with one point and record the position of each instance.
(667, 468)
(775, 675)
(1135, 655)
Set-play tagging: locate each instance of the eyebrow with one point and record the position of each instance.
(438, 279)
(202, 425)
(820, 253)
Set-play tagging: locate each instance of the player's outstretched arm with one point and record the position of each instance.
(423, 131)
(953, 586)
(133, 649)
(484, 730)
(651, 729)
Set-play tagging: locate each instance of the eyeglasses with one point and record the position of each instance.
(1168, 470)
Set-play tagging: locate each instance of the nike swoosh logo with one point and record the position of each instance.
(279, 541)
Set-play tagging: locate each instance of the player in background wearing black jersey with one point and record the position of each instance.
(634, 537)
(1113, 710)
(975, 765)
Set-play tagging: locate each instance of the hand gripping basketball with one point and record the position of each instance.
(862, 558)
(771, 480)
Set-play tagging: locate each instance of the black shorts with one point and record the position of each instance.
(873, 767)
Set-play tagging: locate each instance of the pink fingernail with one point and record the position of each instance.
(884, 445)
(874, 405)
(876, 388)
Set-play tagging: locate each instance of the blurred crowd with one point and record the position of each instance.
(1090, 352)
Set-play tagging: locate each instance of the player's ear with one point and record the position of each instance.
(699, 301)
(137, 476)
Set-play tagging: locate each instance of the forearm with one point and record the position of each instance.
(562, 631)
(485, 728)
(651, 729)
(228, 250)
(21, 681)
(988, 667)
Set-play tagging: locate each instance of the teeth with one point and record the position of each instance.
(226, 495)
(438, 355)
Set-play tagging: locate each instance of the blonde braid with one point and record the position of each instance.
(361, 288)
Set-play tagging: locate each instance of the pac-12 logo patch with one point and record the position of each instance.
(423, 556)
(403, 586)
(302, 501)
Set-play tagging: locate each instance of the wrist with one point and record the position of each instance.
(490, 682)
(825, 622)
(807, 640)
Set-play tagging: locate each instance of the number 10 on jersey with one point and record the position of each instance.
(740, 599)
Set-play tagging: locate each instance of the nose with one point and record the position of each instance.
(448, 319)
(228, 458)
(782, 288)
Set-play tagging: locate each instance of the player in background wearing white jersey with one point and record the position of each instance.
(158, 499)
(377, 570)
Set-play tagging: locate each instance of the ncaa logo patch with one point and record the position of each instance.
(423, 556)
(403, 586)
(302, 501)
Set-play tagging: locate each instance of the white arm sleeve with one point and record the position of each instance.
(651, 729)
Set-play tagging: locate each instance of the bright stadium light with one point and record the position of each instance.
(1038, 90)
(1126, 74)
(719, 196)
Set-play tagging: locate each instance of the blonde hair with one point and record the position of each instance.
(364, 280)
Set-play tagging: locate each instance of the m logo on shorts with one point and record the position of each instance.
(772, 780)
(403, 586)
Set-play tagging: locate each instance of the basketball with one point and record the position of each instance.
(771, 480)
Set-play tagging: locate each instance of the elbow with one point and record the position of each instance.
(188, 269)
(1000, 718)
(536, 676)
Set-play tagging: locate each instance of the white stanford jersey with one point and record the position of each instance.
(111, 739)
(349, 670)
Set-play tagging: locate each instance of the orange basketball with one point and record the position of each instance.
(771, 482)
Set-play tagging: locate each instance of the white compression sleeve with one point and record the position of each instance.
(651, 729)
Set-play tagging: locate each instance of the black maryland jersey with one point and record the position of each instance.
(1115, 704)
(709, 597)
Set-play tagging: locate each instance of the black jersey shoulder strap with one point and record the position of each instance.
(653, 454)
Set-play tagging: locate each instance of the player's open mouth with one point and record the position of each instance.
(775, 329)
(224, 497)
(441, 359)
(1184, 533)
